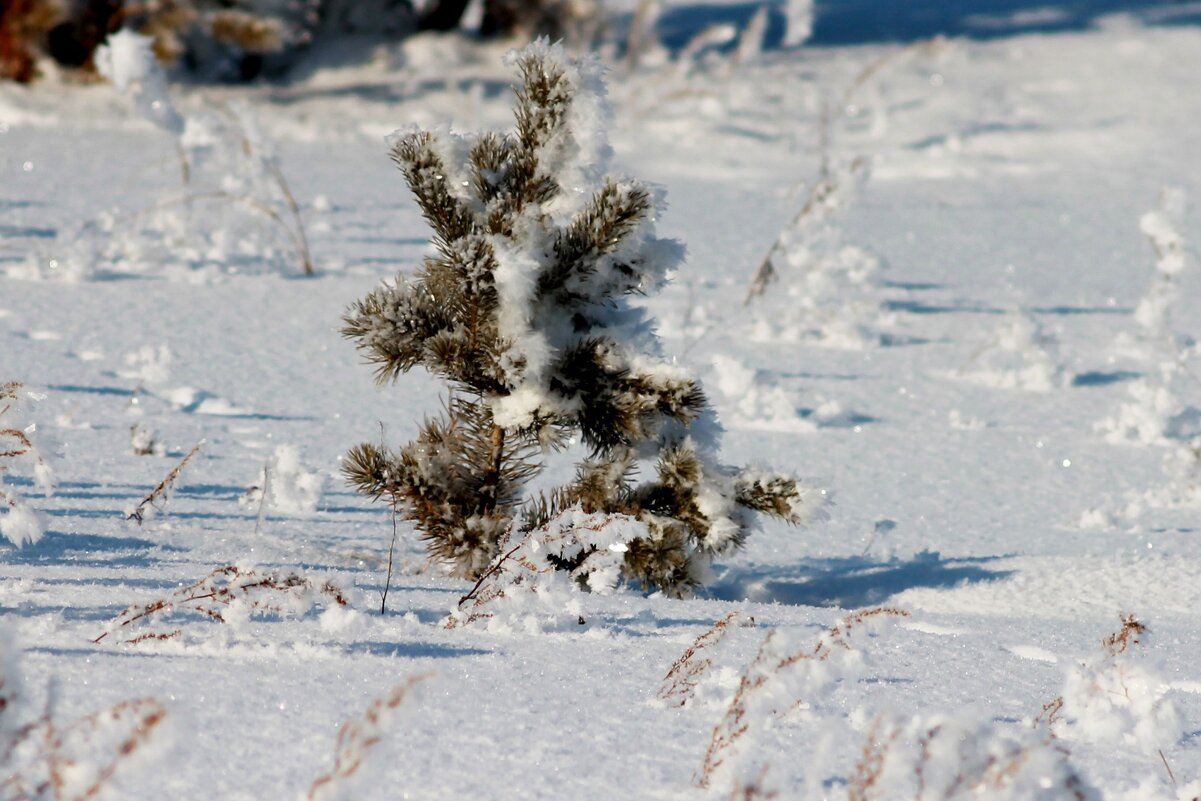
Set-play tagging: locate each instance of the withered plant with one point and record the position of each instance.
(14, 442)
(949, 760)
(1111, 686)
(1132, 633)
(755, 789)
(156, 500)
(766, 668)
(357, 739)
(43, 758)
(679, 685)
(18, 523)
(872, 760)
(524, 311)
(224, 592)
(829, 190)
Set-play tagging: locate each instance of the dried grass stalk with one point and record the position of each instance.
(156, 499)
(685, 674)
(215, 594)
(759, 673)
(358, 738)
(55, 770)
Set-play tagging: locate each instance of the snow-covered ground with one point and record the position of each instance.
(981, 345)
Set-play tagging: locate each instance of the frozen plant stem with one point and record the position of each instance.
(185, 169)
(383, 601)
(826, 185)
(263, 491)
(160, 493)
(1168, 768)
(296, 230)
(357, 739)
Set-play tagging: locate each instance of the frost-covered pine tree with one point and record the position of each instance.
(523, 311)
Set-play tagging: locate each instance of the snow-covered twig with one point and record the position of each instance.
(573, 548)
(946, 759)
(357, 739)
(679, 684)
(55, 773)
(228, 592)
(19, 523)
(47, 759)
(156, 499)
(766, 669)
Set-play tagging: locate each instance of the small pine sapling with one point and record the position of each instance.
(524, 312)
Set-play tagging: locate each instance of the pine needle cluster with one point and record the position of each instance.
(524, 311)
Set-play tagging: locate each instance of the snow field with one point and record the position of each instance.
(972, 486)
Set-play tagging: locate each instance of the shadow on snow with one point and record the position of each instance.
(56, 546)
(859, 22)
(849, 583)
(413, 650)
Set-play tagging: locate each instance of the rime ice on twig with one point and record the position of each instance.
(44, 757)
(357, 739)
(766, 668)
(679, 684)
(156, 499)
(19, 523)
(572, 550)
(228, 592)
